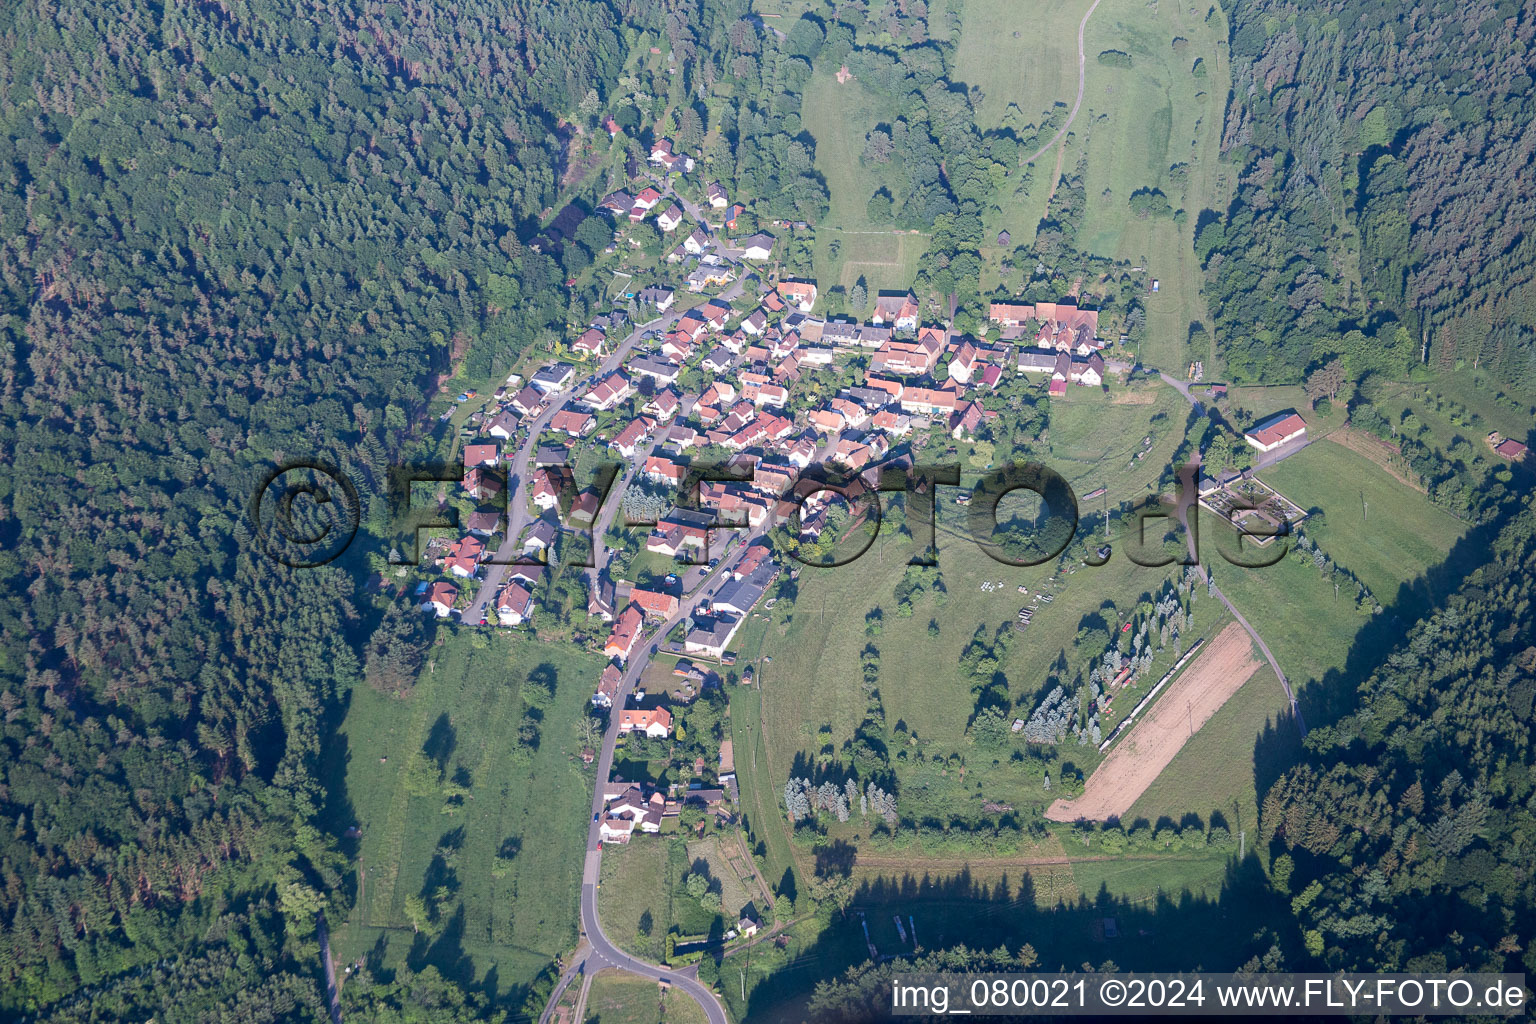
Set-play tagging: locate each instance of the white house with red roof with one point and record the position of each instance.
(654, 722)
(481, 455)
(440, 598)
(628, 440)
(592, 342)
(1279, 429)
(799, 295)
(625, 634)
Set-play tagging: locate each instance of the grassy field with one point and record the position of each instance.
(637, 880)
(1046, 32)
(641, 897)
(464, 714)
(620, 998)
(1135, 126)
(1383, 531)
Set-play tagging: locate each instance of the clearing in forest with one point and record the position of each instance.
(1150, 746)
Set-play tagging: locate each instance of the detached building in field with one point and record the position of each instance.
(1279, 429)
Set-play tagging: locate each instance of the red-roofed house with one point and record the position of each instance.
(573, 423)
(440, 599)
(481, 455)
(625, 633)
(663, 470)
(463, 559)
(607, 687)
(1276, 431)
(799, 295)
(654, 722)
(654, 603)
(629, 439)
(591, 343)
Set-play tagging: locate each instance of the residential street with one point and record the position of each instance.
(518, 472)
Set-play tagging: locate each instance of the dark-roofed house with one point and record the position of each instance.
(710, 636)
(553, 377)
(658, 295)
(757, 247)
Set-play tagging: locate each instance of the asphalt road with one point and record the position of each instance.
(518, 470)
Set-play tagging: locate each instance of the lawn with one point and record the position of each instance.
(1137, 125)
(635, 897)
(521, 817)
(1382, 530)
(620, 998)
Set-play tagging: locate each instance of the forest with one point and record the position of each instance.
(1384, 189)
(230, 234)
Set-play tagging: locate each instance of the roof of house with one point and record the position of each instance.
(644, 718)
(1277, 428)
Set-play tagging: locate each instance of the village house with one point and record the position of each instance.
(463, 557)
(663, 405)
(515, 605)
(757, 247)
(662, 470)
(696, 242)
(592, 342)
(1011, 314)
(644, 203)
(625, 634)
(711, 636)
(799, 295)
(547, 455)
(657, 295)
(705, 277)
(584, 508)
(481, 455)
(607, 687)
(440, 599)
(962, 365)
(617, 202)
(503, 424)
(654, 722)
(663, 156)
(554, 377)
(482, 484)
(654, 603)
(731, 218)
(545, 489)
(927, 402)
(573, 423)
(1037, 360)
(670, 218)
(483, 524)
(608, 393)
(1279, 429)
(659, 370)
(755, 323)
(897, 309)
(540, 538)
(715, 193)
(528, 401)
(628, 440)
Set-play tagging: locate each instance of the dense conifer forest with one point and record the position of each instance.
(229, 234)
(1385, 189)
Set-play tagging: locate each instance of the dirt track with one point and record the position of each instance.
(1186, 705)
